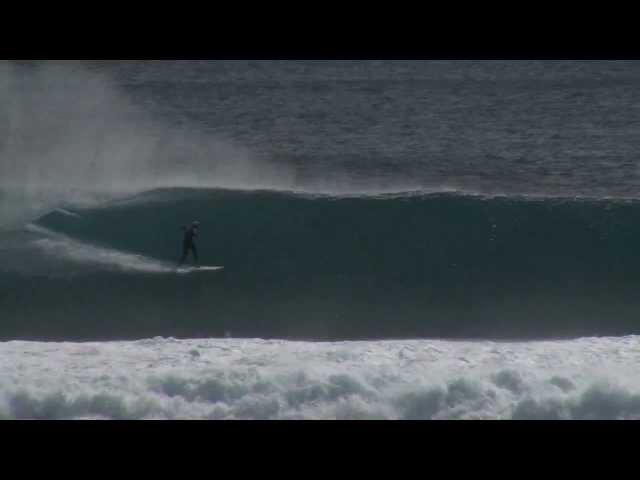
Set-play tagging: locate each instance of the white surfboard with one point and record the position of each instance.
(203, 268)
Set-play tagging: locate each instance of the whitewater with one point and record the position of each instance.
(167, 378)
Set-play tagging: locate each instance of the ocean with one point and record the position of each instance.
(400, 239)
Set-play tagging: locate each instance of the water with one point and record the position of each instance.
(544, 128)
(440, 206)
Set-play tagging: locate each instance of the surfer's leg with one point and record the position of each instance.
(185, 252)
(195, 253)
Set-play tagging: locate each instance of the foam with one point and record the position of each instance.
(67, 213)
(589, 378)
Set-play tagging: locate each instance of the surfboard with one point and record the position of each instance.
(203, 268)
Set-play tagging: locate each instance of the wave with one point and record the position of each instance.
(395, 265)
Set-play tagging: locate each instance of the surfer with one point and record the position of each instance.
(188, 243)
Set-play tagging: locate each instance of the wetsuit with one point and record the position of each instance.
(188, 243)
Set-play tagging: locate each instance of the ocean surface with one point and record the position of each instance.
(400, 239)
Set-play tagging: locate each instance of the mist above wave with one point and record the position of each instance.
(70, 135)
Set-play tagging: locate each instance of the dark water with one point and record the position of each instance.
(553, 255)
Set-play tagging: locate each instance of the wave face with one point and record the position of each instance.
(328, 268)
